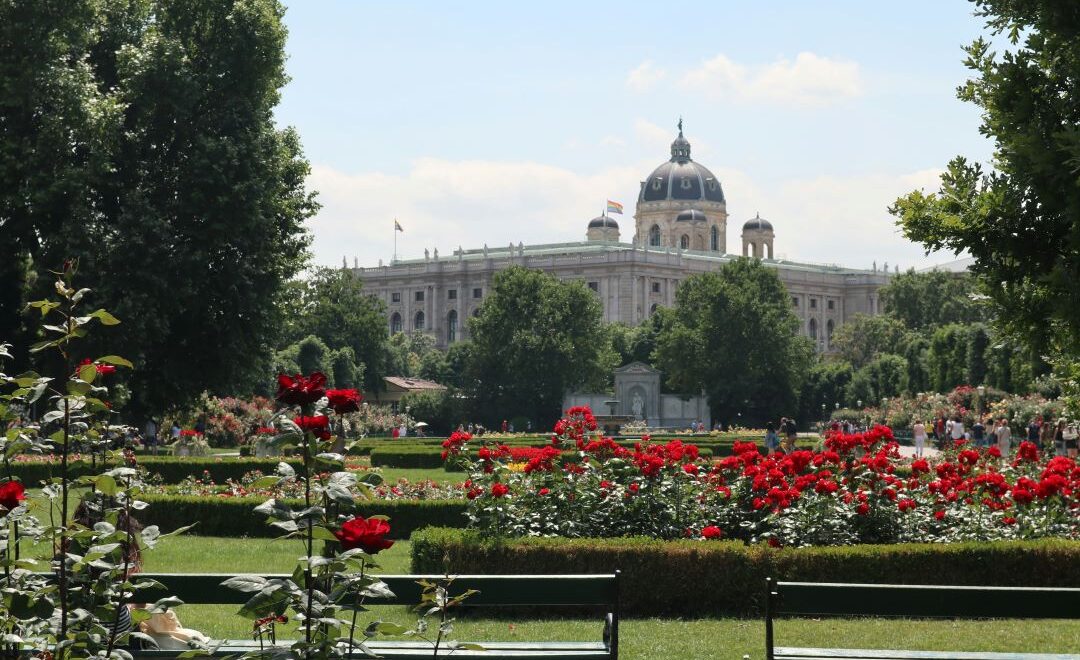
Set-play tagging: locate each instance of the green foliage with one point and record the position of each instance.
(826, 384)
(332, 305)
(142, 139)
(863, 337)
(345, 372)
(946, 358)
(443, 411)
(1020, 221)
(536, 337)
(732, 334)
(881, 377)
(407, 354)
(170, 470)
(233, 517)
(728, 577)
(924, 301)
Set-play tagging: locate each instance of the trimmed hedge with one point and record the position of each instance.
(173, 469)
(234, 516)
(709, 578)
(405, 456)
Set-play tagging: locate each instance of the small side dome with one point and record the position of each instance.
(691, 215)
(757, 223)
(603, 221)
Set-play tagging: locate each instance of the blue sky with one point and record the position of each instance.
(498, 122)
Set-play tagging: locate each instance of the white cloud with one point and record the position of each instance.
(644, 77)
(653, 138)
(808, 80)
(444, 204)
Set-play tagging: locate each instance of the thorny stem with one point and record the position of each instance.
(127, 567)
(356, 608)
(310, 540)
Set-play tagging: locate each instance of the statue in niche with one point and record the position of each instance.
(637, 405)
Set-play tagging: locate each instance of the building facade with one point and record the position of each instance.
(681, 230)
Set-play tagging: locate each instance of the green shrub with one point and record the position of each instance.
(710, 578)
(235, 516)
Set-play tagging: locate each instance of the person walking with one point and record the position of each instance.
(957, 429)
(791, 432)
(1072, 441)
(978, 433)
(1004, 437)
(150, 432)
(1046, 435)
(772, 440)
(1059, 438)
(1033, 430)
(918, 431)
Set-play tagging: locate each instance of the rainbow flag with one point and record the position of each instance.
(614, 207)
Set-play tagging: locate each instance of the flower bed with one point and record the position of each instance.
(853, 491)
(693, 578)
(169, 469)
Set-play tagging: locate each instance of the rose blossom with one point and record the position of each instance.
(344, 401)
(712, 532)
(11, 493)
(298, 390)
(368, 534)
(499, 490)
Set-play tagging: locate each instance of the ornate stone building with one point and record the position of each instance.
(681, 229)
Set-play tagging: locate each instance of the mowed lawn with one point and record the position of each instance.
(640, 638)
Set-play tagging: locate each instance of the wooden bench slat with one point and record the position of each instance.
(796, 653)
(926, 601)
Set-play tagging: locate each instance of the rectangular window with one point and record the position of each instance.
(832, 304)
(795, 301)
(395, 297)
(813, 303)
(656, 287)
(595, 286)
(477, 293)
(451, 294)
(419, 296)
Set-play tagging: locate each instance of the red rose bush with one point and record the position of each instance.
(856, 488)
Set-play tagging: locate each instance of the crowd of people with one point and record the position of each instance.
(1059, 437)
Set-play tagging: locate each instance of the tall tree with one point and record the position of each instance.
(733, 334)
(1020, 220)
(193, 221)
(536, 338)
(864, 337)
(928, 300)
(332, 305)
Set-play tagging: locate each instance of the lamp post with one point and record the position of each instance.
(981, 389)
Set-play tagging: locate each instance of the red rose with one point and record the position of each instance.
(368, 534)
(1008, 520)
(11, 493)
(317, 425)
(344, 401)
(102, 369)
(712, 532)
(499, 490)
(939, 514)
(544, 491)
(863, 509)
(298, 390)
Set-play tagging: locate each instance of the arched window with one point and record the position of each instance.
(828, 330)
(476, 312)
(654, 236)
(714, 239)
(451, 327)
(395, 323)
(652, 310)
(813, 329)
(418, 322)
(684, 242)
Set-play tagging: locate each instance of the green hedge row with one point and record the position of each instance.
(172, 469)
(707, 578)
(405, 456)
(234, 517)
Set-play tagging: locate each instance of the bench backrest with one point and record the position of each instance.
(807, 598)
(495, 590)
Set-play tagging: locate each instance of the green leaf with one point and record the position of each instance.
(246, 583)
(106, 485)
(387, 628)
(264, 482)
(116, 360)
(105, 318)
(78, 387)
(88, 372)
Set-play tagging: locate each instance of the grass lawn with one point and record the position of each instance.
(438, 475)
(640, 638)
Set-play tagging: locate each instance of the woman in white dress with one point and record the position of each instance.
(919, 431)
(1004, 437)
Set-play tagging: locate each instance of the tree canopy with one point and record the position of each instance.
(1019, 219)
(139, 137)
(931, 299)
(535, 338)
(733, 334)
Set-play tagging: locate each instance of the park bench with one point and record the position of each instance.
(549, 594)
(916, 601)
